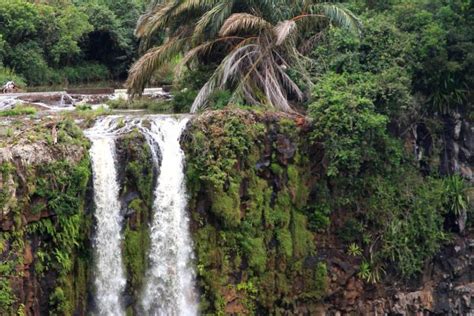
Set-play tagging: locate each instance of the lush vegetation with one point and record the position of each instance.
(271, 57)
(411, 66)
(248, 199)
(369, 92)
(67, 42)
(46, 226)
(253, 41)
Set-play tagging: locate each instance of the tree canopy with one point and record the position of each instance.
(68, 41)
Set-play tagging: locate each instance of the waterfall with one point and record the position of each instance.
(110, 279)
(169, 288)
(169, 282)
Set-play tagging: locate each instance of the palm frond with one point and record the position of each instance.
(222, 75)
(243, 22)
(275, 94)
(197, 4)
(194, 6)
(341, 16)
(213, 19)
(142, 70)
(283, 30)
(263, 37)
(201, 50)
(253, 68)
(290, 85)
(155, 19)
(232, 64)
(190, 55)
(203, 96)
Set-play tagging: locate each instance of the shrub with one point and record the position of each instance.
(84, 73)
(346, 123)
(27, 59)
(19, 110)
(183, 99)
(7, 74)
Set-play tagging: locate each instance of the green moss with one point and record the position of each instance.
(58, 186)
(136, 244)
(303, 244)
(285, 242)
(226, 205)
(281, 213)
(81, 276)
(259, 200)
(321, 279)
(7, 298)
(6, 169)
(138, 180)
(139, 165)
(246, 227)
(137, 206)
(277, 169)
(297, 186)
(288, 127)
(59, 303)
(256, 253)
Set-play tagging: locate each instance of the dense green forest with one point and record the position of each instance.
(60, 42)
(426, 45)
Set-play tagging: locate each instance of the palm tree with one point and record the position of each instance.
(262, 40)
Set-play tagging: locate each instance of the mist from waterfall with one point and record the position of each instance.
(169, 282)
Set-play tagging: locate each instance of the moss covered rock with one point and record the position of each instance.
(44, 237)
(248, 176)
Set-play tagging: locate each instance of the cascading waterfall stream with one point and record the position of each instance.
(110, 279)
(169, 282)
(169, 288)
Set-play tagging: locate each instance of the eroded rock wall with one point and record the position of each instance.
(268, 239)
(44, 223)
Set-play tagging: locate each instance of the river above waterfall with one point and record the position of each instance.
(68, 100)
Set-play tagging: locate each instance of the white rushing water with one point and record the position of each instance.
(169, 282)
(110, 279)
(169, 288)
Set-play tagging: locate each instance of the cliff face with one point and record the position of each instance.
(46, 224)
(249, 177)
(272, 232)
(136, 178)
(44, 244)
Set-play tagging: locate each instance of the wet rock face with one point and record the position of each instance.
(286, 149)
(449, 151)
(457, 155)
(446, 288)
(42, 183)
